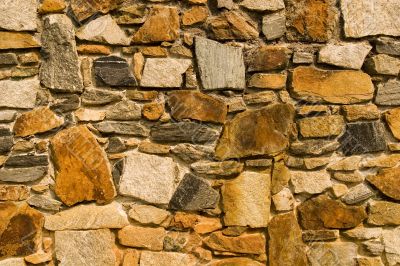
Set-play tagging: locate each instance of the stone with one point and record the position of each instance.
(345, 164)
(361, 112)
(6, 143)
(131, 257)
(374, 247)
(385, 45)
(314, 146)
(123, 128)
(392, 247)
(369, 261)
(89, 115)
(8, 59)
(150, 258)
(182, 241)
(103, 30)
(314, 182)
(388, 93)
(153, 148)
(259, 163)
(153, 180)
(94, 49)
(223, 169)
(22, 175)
(303, 57)
(383, 64)
(86, 71)
(13, 192)
(274, 25)
(368, 18)
(164, 72)
(284, 200)
(39, 257)
(130, 13)
(7, 115)
(200, 224)
(142, 237)
(362, 138)
(263, 5)
(314, 109)
(256, 132)
(29, 58)
(65, 103)
(45, 203)
(220, 66)
(18, 15)
(233, 25)
(339, 190)
(17, 40)
(393, 120)
(352, 177)
(84, 9)
(198, 106)
(322, 126)
(320, 235)
(37, 121)
(96, 249)
(285, 241)
(324, 213)
(363, 233)
(332, 86)
(236, 262)
(280, 176)
(52, 6)
(82, 170)
(382, 161)
(18, 93)
(141, 95)
(92, 96)
(357, 194)
(146, 214)
(153, 111)
(21, 229)
(246, 243)
(195, 15)
(184, 132)
(192, 194)
(268, 81)
(13, 262)
(313, 163)
(264, 97)
(266, 58)
(191, 153)
(347, 55)
(26, 160)
(113, 71)
(387, 182)
(228, 4)
(332, 254)
(161, 25)
(246, 200)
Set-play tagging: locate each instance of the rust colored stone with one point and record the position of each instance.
(195, 15)
(14, 193)
(266, 58)
(152, 111)
(94, 49)
(233, 25)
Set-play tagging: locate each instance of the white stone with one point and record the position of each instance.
(146, 214)
(149, 177)
(7, 115)
(391, 241)
(18, 93)
(274, 25)
(333, 254)
(93, 247)
(150, 258)
(104, 30)
(262, 5)
(371, 17)
(164, 72)
(347, 55)
(13, 262)
(88, 217)
(18, 15)
(364, 233)
(84, 114)
(284, 200)
(310, 182)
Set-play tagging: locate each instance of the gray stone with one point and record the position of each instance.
(221, 66)
(123, 128)
(357, 194)
(347, 55)
(26, 161)
(44, 203)
(124, 110)
(314, 147)
(18, 15)
(65, 103)
(60, 66)
(385, 45)
(193, 194)
(92, 96)
(333, 254)
(383, 64)
(302, 57)
(263, 5)
(391, 241)
(320, 235)
(361, 138)
(18, 93)
(6, 144)
(8, 59)
(274, 25)
(225, 168)
(7, 115)
(191, 153)
(115, 145)
(21, 175)
(113, 71)
(388, 93)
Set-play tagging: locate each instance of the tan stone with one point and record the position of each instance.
(268, 81)
(40, 257)
(312, 163)
(332, 254)
(322, 126)
(280, 176)
(314, 182)
(152, 111)
(345, 164)
(153, 148)
(194, 15)
(85, 9)
(342, 86)
(39, 120)
(82, 170)
(182, 241)
(267, 57)
(353, 177)
(233, 25)
(245, 243)
(154, 51)
(94, 49)
(361, 112)
(393, 120)
(236, 262)
(312, 109)
(369, 261)
(142, 237)
(52, 6)
(382, 161)
(13, 192)
(131, 257)
(384, 213)
(339, 190)
(388, 182)
(16, 40)
(83, 114)
(200, 224)
(138, 65)
(145, 214)
(150, 258)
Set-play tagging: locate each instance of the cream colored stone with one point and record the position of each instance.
(345, 164)
(149, 258)
(284, 200)
(310, 182)
(89, 115)
(146, 214)
(347, 55)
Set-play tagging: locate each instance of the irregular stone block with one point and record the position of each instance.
(92, 96)
(123, 128)
(387, 182)
(333, 254)
(274, 25)
(18, 93)
(347, 55)
(322, 126)
(85, 9)
(310, 182)
(26, 161)
(225, 168)
(385, 45)
(283, 200)
(191, 153)
(44, 202)
(8, 59)
(200, 224)
(195, 15)
(22, 175)
(357, 194)
(363, 233)
(263, 5)
(384, 213)
(142, 237)
(361, 112)
(268, 81)
(392, 245)
(147, 258)
(13, 262)
(113, 71)
(13, 192)
(383, 64)
(16, 40)
(124, 110)
(320, 235)
(146, 214)
(388, 93)
(266, 58)
(6, 143)
(18, 15)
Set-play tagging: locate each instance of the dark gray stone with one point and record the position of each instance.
(65, 103)
(194, 193)
(6, 144)
(362, 138)
(99, 97)
(113, 71)
(123, 128)
(27, 161)
(22, 175)
(4, 131)
(8, 59)
(115, 145)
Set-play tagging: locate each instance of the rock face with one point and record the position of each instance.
(22, 175)
(274, 25)
(145, 214)
(220, 66)
(246, 243)
(147, 258)
(18, 94)
(266, 58)
(347, 55)
(16, 40)
(85, 9)
(383, 64)
(310, 182)
(366, 18)
(388, 93)
(246, 200)
(387, 182)
(142, 237)
(342, 87)
(384, 213)
(82, 169)
(124, 110)
(123, 128)
(19, 15)
(256, 132)
(322, 126)
(20, 229)
(113, 71)
(393, 120)
(331, 254)
(13, 193)
(392, 247)
(263, 5)
(225, 168)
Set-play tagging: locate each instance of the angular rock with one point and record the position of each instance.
(146, 214)
(392, 247)
(124, 110)
(310, 182)
(383, 64)
(200, 224)
(26, 161)
(225, 168)
(94, 49)
(280, 176)
(341, 86)
(303, 57)
(13, 192)
(141, 95)
(346, 164)
(374, 247)
(355, 177)
(192, 194)
(283, 200)
(263, 5)
(82, 170)
(274, 25)
(387, 182)
(13, 262)
(164, 72)
(382, 161)
(7, 115)
(19, 15)
(393, 120)
(320, 235)
(245, 243)
(385, 45)
(45, 203)
(266, 58)
(268, 81)
(65, 104)
(246, 200)
(264, 97)
(89, 115)
(369, 261)
(52, 6)
(233, 25)
(363, 233)
(191, 153)
(16, 40)
(148, 258)
(8, 59)
(92, 96)
(153, 111)
(85, 9)
(113, 71)
(60, 67)
(388, 93)
(361, 112)
(131, 13)
(123, 128)
(347, 55)
(182, 241)
(256, 132)
(142, 237)
(321, 126)
(18, 93)
(339, 190)
(221, 66)
(22, 175)
(333, 254)
(6, 143)
(357, 194)
(195, 15)
(153, 148)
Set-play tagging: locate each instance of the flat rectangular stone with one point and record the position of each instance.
(18, 93)
(16, 40)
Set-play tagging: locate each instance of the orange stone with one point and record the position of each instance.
(393, 120)
(266, 58)
(233, 25)
(388, 182)
(16, 40)
(245, 243)
(153, 111)
(268, 81)
(52, 6)
(195, 15)
(94, 49)
(84, 9)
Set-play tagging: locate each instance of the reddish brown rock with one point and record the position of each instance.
(83, 9)
(198, 106)
(245, 243)
(233, 25)
(16, 40)
(388, 182)
(266, 58)
(152, 111)
(13, 193)
(82, 169)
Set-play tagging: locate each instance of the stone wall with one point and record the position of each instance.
(195, 132)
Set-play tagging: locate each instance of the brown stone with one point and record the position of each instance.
(38, 258)
(153, 148)
(161, 25)
(20, 229)
(286, 246)
(13, 193)
(142, 237)
(200, 224)
(266, 58)
(39, 120)
(268, 81)
(324, 213)
(52, 6)
(198, 106)
(233, 25)
(245, 243)
(16, 40)
(83, 9)
(153, 111)
(393, 120)
(236, 262)
(256, 132)
(131, 257)
(82, 169)
(384, 213)
(342, 86)
(388, 182)
(194, 15)
(154, 51)
(94, 49)
(141, 95)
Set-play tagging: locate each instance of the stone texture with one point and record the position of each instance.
(382, 161)
(153, 148)
(320, 235)
(26, 160)
(310, 182)
(361, 112)
(345, 164)
(82, 169)
(263, 5)
(8, 59)
(149, 177)
(92, 247)
(393, 120)
(369, 261)
(383, 64)
(284, 200)
(89, 115)
(268, 81)
(195, 15)
(122, 128)
(313, 147)
(52, 6)
(94, 49)
(236, 262)
(92, 96)
(363, 233)
(224, 169)
(13, 262)
(245, 243)
(16, 40)
(220, 66)
(321, 126)
(392, 247)
(22, 175)
(264, 97)
(388, 93)
(341, 86)
(266, 58)
(113, 71)
(332, 254)
(246, 200)
(13, 192)
(149, 258)
(200, 224)
(142, 237)
(385, 45)
(164, 73)
(146, 214)
(18, 94)
(153, 111)
(285, 241)
(44, 203)
(358, 194)
(85, 9)
(19, 15)
(191, 153)
(387, 182)
(256, 132)
(347, 55)
(352, 177)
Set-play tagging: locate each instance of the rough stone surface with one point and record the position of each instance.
(383, 64)
(44, 203)
(122, 128)
(13, 192)
(148, 258)
(200, 224)
(246, 243)
(332, 254)
(357, 194)
(322, 126)
(361, 112)
(225, 168)
(392, 247)
(320, 235)
(310, 182)
(313, 146)
(113, 71)
(85, 9)
(19, 15)
(388, 93)
(267, 81)
(387, 45)
(13, 262)
(266, 58)
(274, 25)
(363, 233)
(18, 93)
(387, 182)
(22, 175)
(347, 55)
(284, 200)
(263, 5)
(145, 214)
(393, 120)
(142, 237)
(191, 153)
(16, 40)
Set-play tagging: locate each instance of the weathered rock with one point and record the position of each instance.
(123, 128)
(392, 247)
(236, 262)
(8, 59)
(195, 15)
(13, 192)
(153, 111)
(182, 241)
(19, 15)
(148, 258)
(45, 203)
(362, 138)
(141, 95)
(382, 161)
(60, 67)
(94, 49)
(13, 262)
(26, 161)
(262, 163)
(274, 25)
(263, 5)
(65, 103)
(52, 6)
(339, 190)
(383, 64)
(320, 235)
(131, 13)
(310, 182)
(345, 164)
(266, 58)
(82, 169)
(146, 214)
(280, 176)
(354, 177)
(303, 57)
(284, 200)
(385, 45)
(191, 153)
(347, 55)
(164, 72)
(324, 213)
(142, 237)
(246, 200)
(363, 233)
(387, 182)
(96, 249)
(39, 257)
(264, 97)
(20, 229)
(341, 86)
(22, 175)
(6, 143)
(225, 168)
(313, 163)
(322, 126)
(388, 93)
(200, 224)
(285, 241)
(83, 114)
(268, 81)
(7, 115)
(332, 254)
(92, 96)
(192, 194)
(16, 40)
(18, 93)
(374, 247)
(113, 71)
(246, 243)
(361, 112)
(84, 9)
(369, 261)
(153, 148)
(220, 66)
(393, 120)
(256, 132)
(149, 177)
(357, 194)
